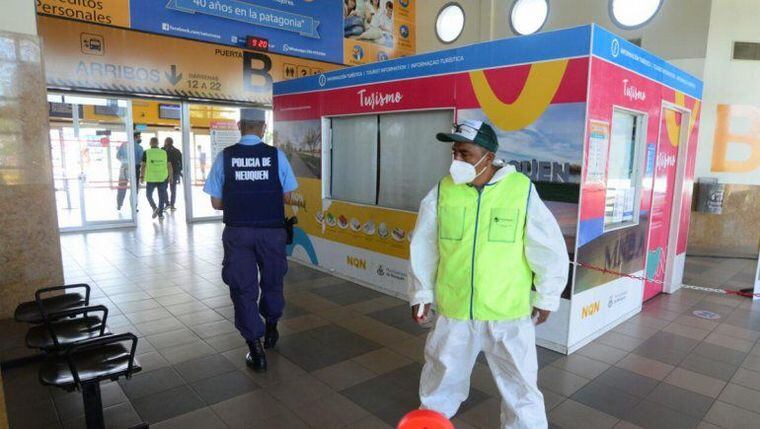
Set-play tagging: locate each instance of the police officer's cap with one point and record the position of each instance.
(252, 115)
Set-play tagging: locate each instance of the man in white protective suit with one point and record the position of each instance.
(483, 239)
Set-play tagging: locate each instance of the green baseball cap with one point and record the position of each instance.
(470, 131)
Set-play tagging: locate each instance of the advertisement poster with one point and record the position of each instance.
(598, 146)
(96, 57)
(335, 31)
(305, 29)
(377, 30)
(222, 135)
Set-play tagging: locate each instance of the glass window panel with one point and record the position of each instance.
(412, 160)
(354, 159)
(622, 175)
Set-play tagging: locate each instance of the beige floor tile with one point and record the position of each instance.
(705, 425)
(731, 417)
(245, 410)
(571, 414)
(413, 348)
(752, 362)
(560, 381)
(300, 323)
(385, 335)
(741, 396)
(461, 424)
(727, 300)
(382, 360)
(581, 365)
(698, 334)
(372, 422)
(620, 341)
(626, 425)
(340, 313)
(343, 375)
(729, 342)
(602, 353)
(300, 391)
(202, 418)
(333, 411)
(482, 379)
(737, 332)
(644, 366)
(660, 313)
(286, 420)
(747, 378)
(650, 321)
(694, 382)
(636, 329)
(483, 415)
(551, 399)
(375, 304)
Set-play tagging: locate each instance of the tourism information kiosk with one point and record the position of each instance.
(606, 131)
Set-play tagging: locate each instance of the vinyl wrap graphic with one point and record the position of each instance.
(548, 97)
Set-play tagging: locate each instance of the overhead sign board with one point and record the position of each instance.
(302, 28)
(94, 57)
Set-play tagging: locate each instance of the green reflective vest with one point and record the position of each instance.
(156, 170)
(482, 270)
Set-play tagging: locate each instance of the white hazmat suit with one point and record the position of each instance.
(509, 346)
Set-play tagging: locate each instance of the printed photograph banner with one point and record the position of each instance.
(344, 32)
(306, 29)
(377, 30)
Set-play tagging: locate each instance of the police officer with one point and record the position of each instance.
(251, 181)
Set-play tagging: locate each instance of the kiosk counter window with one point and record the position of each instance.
(623, 173)
(390, 160)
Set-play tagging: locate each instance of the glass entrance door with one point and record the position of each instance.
(93, 162)
(206, 131)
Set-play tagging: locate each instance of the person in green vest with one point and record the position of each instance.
(156, 172)
(483, 239)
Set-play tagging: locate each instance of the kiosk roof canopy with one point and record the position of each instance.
(566, 43)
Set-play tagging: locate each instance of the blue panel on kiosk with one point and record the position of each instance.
(300, 29)
(619, 51)
(569, 43)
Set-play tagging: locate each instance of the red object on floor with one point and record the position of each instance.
(424, 419)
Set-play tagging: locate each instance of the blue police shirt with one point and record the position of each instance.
(215, 179)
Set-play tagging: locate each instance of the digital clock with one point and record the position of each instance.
(257, 43)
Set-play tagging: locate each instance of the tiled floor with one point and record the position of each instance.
(728, 273)
(350, 357)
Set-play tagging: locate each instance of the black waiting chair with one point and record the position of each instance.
(85, 364)
(79, 350)
(65, 328)
(31, 312)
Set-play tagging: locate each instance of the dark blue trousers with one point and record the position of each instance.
(248, 252)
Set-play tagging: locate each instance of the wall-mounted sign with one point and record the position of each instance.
(307, 29)
(139, 63)
(352, 32)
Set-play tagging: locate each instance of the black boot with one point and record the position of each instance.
(271, 336)
(256, 359)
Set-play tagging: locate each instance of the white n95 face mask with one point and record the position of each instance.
(464, 172)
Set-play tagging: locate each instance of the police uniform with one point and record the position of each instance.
(250, 178)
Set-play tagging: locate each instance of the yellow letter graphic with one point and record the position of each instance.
(674, 129)
(540, 86)
(724, 135)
